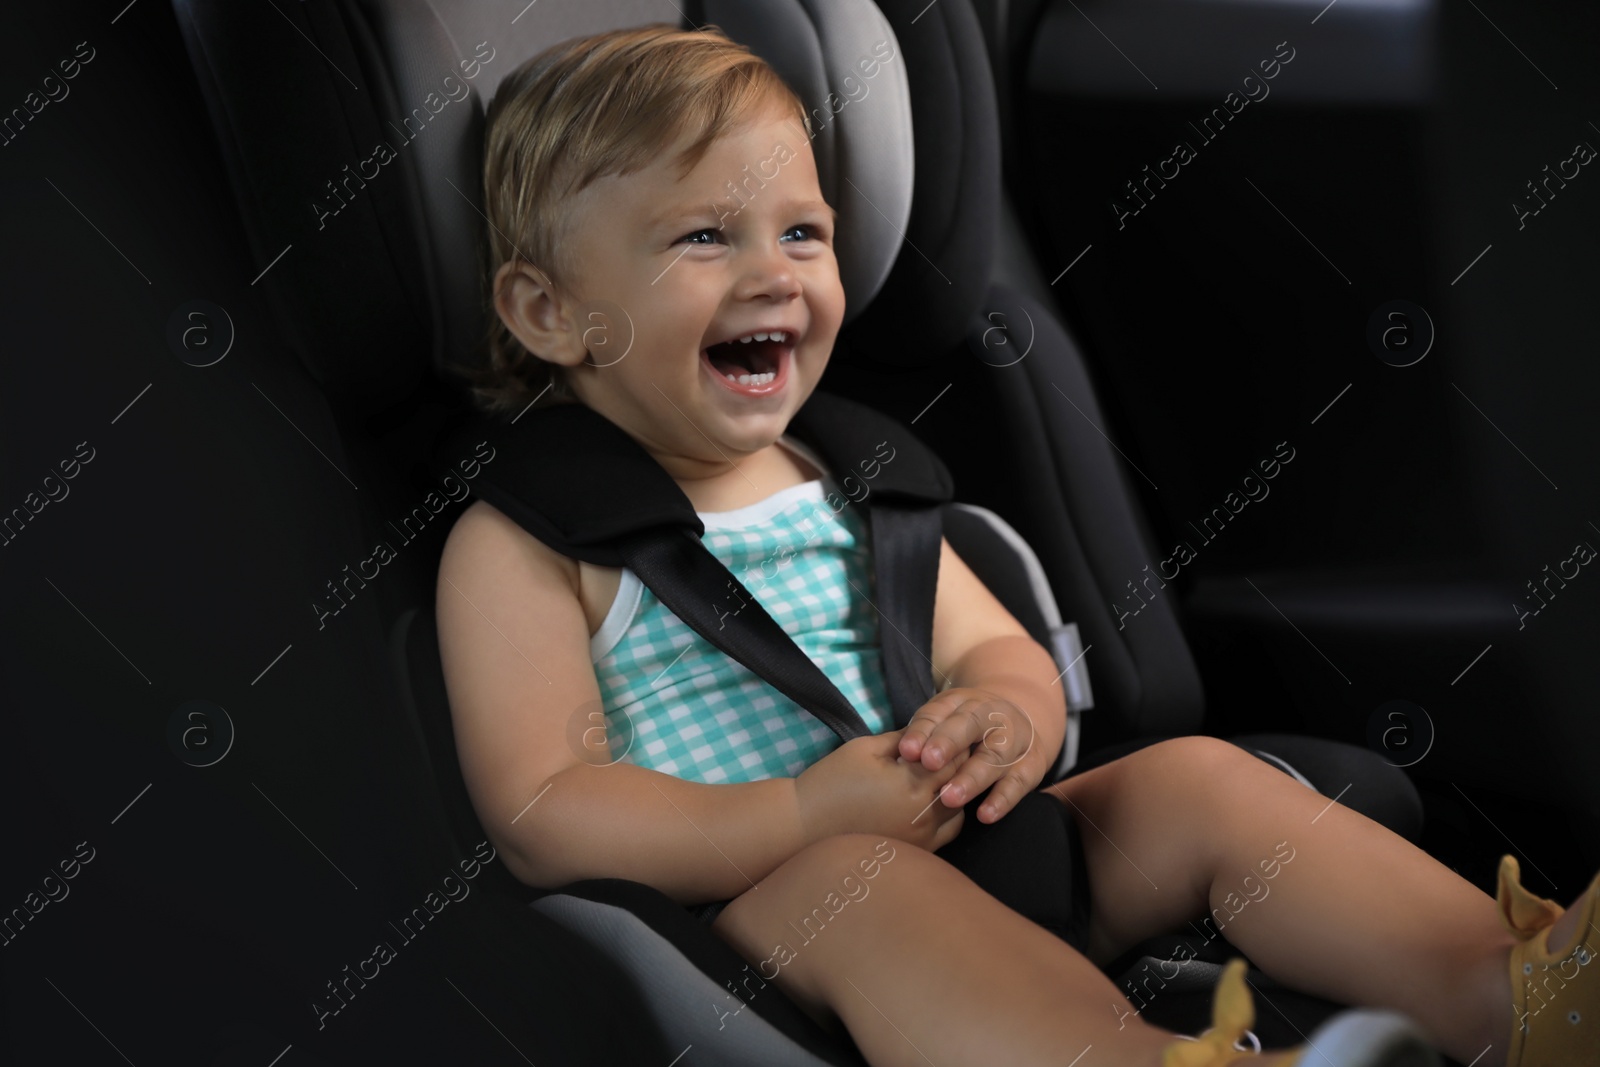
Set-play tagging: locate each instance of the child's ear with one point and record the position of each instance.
(537, 315)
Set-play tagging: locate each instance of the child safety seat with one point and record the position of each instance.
(383, 294)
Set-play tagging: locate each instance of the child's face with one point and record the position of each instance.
(742, 245)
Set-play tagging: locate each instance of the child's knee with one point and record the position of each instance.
(1197, 755)
(842, 869)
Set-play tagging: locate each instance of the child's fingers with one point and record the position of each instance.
(915, 735)
(941, 777)
(949, 723)
(929, 784)
(1006, 766)
(1014, 783)
(977, 776)
(1003, 729)
(1008, 735)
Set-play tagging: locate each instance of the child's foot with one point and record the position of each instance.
(1349, 1039)
(1555, 990)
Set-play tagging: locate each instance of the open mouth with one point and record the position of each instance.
(751, 365)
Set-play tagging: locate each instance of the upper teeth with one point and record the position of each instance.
(775, 336)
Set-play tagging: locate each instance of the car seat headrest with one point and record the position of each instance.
(368, 165)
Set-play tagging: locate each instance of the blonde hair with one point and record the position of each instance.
(584, 109)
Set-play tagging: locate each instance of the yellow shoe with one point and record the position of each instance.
(1232, 1013)
(1555, 992)
(1350, 1039)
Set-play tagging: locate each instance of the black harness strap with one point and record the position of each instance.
(905, 555)
(549, 462)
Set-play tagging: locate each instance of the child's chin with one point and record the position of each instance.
(753, 434)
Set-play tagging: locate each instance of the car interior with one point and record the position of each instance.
(1097, 258)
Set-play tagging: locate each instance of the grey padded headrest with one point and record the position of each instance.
(862, 127)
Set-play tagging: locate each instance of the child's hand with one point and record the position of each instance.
(958, 718)
(863, 786)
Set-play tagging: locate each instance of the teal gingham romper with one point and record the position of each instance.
(676, 703)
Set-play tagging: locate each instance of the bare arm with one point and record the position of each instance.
(977, 643)
(525, 707)
(982, 652)
(694, 842)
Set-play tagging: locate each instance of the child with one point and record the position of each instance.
(629, 281)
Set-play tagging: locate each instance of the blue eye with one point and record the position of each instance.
(712, 235)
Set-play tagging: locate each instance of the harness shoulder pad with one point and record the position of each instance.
(864, 447)
(576, 481)
(579, 483)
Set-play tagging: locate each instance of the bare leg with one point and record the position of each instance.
(1192, 827)
(921, 964)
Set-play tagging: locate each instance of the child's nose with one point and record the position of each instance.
(769, 272)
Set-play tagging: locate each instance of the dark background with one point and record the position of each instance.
(1393, 549)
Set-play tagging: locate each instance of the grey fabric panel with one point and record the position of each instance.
(874, 151)
(539, 26)
(688, 1007)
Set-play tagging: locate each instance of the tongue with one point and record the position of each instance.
(736, 357)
